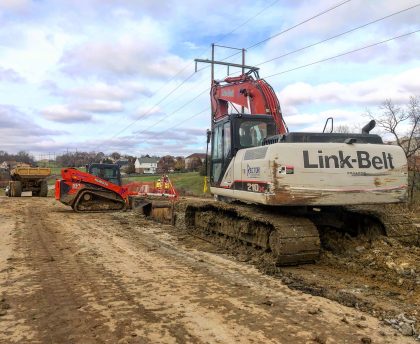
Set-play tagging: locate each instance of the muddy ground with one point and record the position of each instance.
(67, 277)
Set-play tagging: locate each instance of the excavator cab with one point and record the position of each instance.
(235, 132)
(108, 172)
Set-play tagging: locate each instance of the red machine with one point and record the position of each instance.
(254, 94)
(86, 192)
(101, 190)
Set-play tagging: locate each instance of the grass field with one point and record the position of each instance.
(189, 184)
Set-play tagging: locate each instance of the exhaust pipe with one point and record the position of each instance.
(368, 127)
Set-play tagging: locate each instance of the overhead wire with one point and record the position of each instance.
(187, 119)
(291, 28)
(338, 35)
(342, 54)
(303, 48)
(222, 38)
(174, 112)
(273, 36)
(336, 56)
(189, 76)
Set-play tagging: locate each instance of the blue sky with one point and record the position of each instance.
(88, 75)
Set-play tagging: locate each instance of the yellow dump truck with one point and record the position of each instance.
(25, 178)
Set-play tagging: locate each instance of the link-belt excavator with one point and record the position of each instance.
(292, 184)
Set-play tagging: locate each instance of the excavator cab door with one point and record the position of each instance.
(233, 133)
(221, 150)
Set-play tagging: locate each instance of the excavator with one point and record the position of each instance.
(278, 190)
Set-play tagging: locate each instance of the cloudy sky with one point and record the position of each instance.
(103, 75)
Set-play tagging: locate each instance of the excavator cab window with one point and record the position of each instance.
(252, 133)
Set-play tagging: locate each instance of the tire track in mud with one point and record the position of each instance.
(231, 281)
(108, 278)
(75, 301)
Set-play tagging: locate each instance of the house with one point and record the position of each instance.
(146, 165)
(121, 162)
(12, 164)
(191, 160)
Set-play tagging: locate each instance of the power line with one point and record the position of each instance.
(292, 27)
(299, 24)
(174, 112)
(187, 119)
(151, 108)
(191, 75)
(221, 39)
(258, 43)
(323, 60)
(342, 54)
(338, 35)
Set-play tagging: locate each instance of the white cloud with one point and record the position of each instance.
(63, 114)
(15, 5)
(19, 132)
(101, 106)
(9, 75)
(146, 112)
(366, 93)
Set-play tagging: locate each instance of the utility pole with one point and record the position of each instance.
(213, 62)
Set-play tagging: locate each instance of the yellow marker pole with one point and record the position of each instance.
(205, 188)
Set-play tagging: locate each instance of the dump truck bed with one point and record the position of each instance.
(30, 172)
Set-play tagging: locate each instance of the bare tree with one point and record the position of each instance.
(391, 118)
(342, 128)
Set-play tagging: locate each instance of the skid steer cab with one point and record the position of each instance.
(108, 172)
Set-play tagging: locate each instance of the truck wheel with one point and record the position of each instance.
(43, 191)
(15, 189)
(7, 191)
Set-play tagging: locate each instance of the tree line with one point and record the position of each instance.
(22, 156)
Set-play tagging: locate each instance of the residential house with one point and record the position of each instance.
(12, 164)
(190, 161)
(146, 165)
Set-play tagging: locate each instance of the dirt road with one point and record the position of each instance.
(67, 277)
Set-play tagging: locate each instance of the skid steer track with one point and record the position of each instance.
(90, 200)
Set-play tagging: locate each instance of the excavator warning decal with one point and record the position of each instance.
(287, 169)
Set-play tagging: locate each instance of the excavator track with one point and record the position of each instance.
(98, 201)
(290, 239)
(293, 239)
(394, 222)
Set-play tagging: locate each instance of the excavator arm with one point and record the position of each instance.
(255, 94)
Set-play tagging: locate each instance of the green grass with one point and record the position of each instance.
(190, 183)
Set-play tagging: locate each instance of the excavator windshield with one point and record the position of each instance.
(252, 133)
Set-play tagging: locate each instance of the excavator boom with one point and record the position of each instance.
(256, 95)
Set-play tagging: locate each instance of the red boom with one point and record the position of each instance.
(255, 95)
